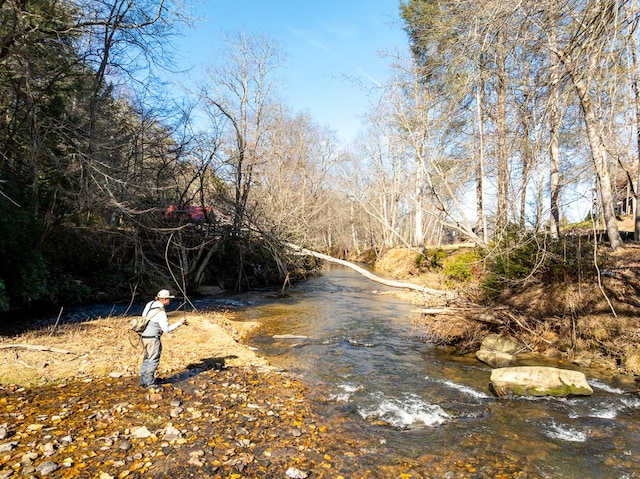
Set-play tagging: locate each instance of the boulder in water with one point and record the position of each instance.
(539, 381)
(495, 359)
(498, 351)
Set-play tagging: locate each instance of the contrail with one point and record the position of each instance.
(305, 36)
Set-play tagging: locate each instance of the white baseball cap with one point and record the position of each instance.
(164, 293)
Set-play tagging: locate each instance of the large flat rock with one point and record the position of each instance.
(539, 381)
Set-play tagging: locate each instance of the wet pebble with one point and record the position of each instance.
(8, 446)
(155, 396)
(124, 445)
(170, 433)
(196, 458)
(140, 432)
(47, 468)
(28, 458)
(48, 449)
(294, 473)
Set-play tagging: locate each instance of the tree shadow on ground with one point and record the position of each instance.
(193, 369)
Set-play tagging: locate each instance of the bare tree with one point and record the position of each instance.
(378, 178)
(121, 42)
(413, 184)
(291, 190)
(240, 92)
(581, 57)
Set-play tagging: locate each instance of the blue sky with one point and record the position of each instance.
(331, 46)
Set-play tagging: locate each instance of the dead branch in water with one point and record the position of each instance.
(476, 313)
(455, 317)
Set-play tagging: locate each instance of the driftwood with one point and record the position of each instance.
(34, 347)
(476, 313)
(500, 316)
(369, 275)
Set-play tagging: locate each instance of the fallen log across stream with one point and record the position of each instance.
(387, 282)
(502, 317)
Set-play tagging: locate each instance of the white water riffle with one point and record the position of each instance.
(565, 433)
(597, 384)
(600, 412)
(632, 402)
(465, 390)
(402, 412)
(347, 392)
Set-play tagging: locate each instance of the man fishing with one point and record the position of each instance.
(152, 345)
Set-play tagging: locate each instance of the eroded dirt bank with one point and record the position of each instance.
(592, 320)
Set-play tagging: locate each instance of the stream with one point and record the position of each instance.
(361, 353)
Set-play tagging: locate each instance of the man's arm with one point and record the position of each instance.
(163, 321)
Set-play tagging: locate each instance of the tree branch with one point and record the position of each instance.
(34, 347)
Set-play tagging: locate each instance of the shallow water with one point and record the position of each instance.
(360, 351)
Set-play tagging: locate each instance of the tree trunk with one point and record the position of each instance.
(481, 227)
(354, 233)
(417, 203)
(501, 121)
(554, 137)
(636, 94)
(598, 154)
(527, 159)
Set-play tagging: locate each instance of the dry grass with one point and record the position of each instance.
(632, 360)
(398, 261)
(464, 333)
(107, 347)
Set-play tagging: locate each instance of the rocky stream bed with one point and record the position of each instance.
(237, 422)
